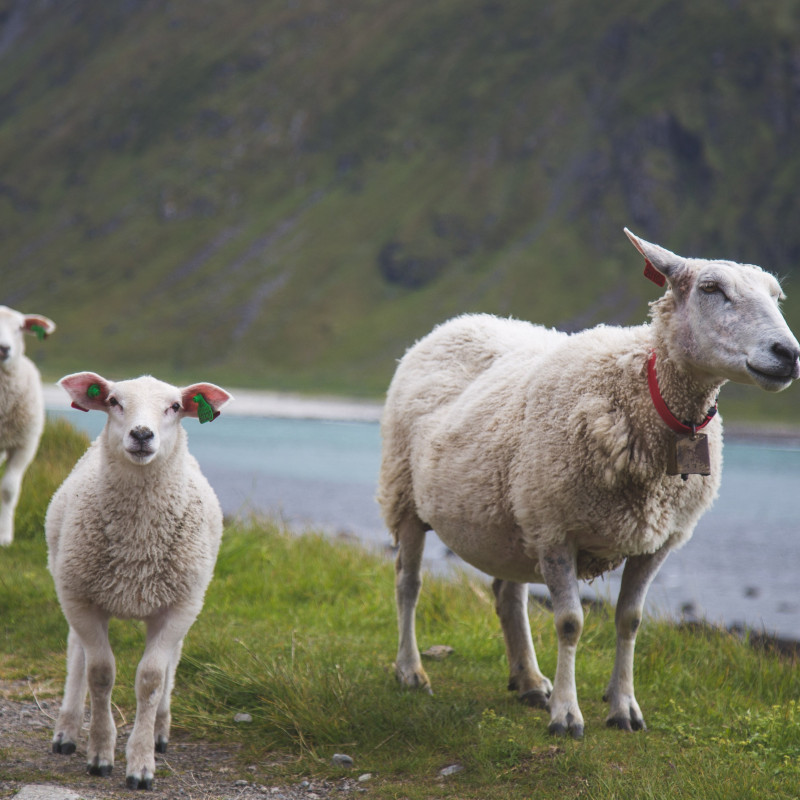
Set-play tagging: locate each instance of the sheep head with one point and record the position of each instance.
(144, 413)
(722, 319)
(13, 325)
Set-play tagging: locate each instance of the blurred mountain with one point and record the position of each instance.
(287, 194)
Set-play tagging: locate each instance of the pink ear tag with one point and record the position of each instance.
(651, 273)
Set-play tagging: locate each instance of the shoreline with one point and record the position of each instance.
(258, 403)
(288, 405)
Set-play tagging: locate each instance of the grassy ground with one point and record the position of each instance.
(299, 632)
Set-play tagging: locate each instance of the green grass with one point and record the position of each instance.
(299, 631)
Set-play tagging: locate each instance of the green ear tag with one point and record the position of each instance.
(204, 411)
(93, 391)
(39, 331)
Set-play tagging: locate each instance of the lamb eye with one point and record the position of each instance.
(112, 401)
(176, 407)
(709, 287)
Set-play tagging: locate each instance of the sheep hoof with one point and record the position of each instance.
(135, 782)
(66, 748)
(535, 698)
(559, 728)
(95, 768)
(161, 745)
(627, 724)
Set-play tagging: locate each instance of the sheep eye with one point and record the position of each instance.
(112, 401)
(709, 287)
(176, 407)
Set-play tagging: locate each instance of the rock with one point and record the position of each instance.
(42, 791)
(438, 652)
(342, 760)
(367, 776)
(242, 717)
(451, 770)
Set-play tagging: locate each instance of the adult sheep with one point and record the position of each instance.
(21, 407)
(539, 456)
(133, 532)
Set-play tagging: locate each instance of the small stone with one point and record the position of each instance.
(438, 652)
(242, 717)
(240, 783)
(342, 760)
(451, 770)
(367, 776)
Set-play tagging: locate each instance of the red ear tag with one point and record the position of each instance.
(651, 273)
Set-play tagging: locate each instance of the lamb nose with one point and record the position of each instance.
(142, 434)
(4, 351)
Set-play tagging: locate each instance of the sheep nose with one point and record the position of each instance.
(787, 354)
(142, 433)
(5, 350)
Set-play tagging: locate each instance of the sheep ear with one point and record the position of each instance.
(88, 390)
(204, 401)
(39, 325)
(660, 265)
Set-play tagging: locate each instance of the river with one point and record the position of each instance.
(740, 568)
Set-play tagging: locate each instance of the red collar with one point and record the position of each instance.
(663, 411)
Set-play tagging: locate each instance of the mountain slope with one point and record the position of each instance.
(288, 194)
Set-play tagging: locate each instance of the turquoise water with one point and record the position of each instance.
(740, 567)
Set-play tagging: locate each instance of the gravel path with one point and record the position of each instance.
(190, 770)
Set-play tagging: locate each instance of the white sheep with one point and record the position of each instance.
(21, 407)
(133, 532)
(539, 456)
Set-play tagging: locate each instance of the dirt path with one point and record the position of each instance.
(190, 770)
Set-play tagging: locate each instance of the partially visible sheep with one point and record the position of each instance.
(21, 407)
(133, 532)
(539, 456)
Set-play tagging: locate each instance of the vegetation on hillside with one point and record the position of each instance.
(287, 194)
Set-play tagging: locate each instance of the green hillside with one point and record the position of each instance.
(287, 194)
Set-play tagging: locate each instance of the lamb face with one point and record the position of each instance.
(728, 323)
(13, 325)
(144, 413)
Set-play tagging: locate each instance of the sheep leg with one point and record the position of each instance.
(163, 715)
(511, 604)
(408, 567)
(16, 465)
(70, 717)
(165, 633)
(624, 712)
(557, 564)
(89, 636)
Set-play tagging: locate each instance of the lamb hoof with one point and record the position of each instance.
(103, 770)
(135, 782)
(626, 724)
(161, 745)
(63, 748)
(559, 728)
(535, 698)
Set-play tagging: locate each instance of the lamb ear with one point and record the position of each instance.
(39, 325)
(660, 264)
(204, 401)
(88, 390)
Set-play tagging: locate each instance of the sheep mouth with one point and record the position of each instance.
(773, 380)
(140, 455)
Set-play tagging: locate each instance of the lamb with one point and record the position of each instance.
(539, 456)
(133, 532)
(21, 407)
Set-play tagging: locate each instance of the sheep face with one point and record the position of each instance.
(726, 321)
(144, 414)
(13, 325)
